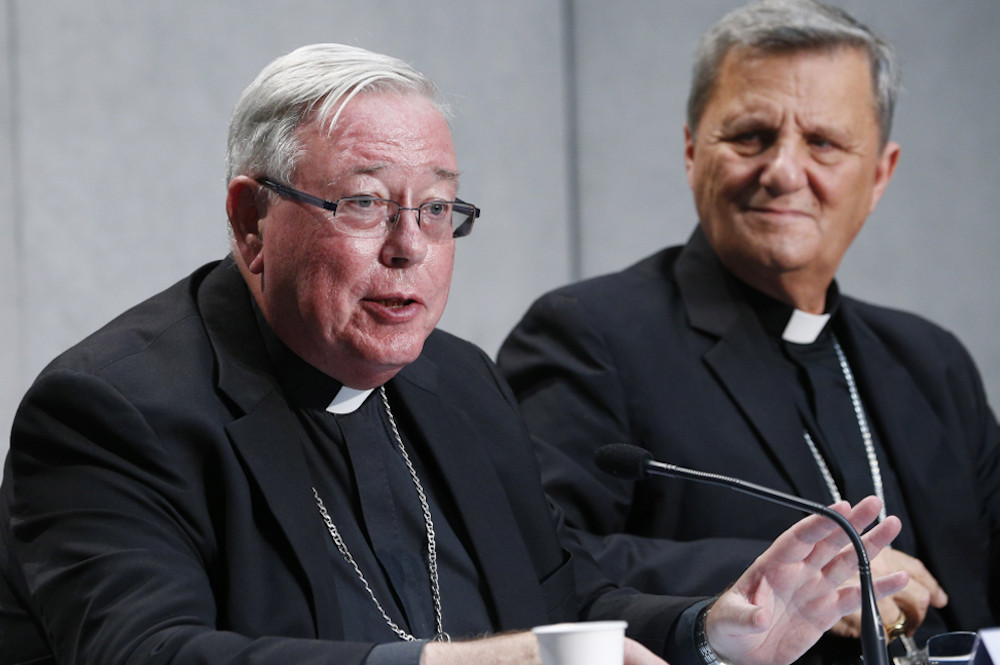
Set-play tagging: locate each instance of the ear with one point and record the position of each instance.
(688, 153)
(246, 209)
(883, 172)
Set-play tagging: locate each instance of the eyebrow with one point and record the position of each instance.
(441, 173)
(742, 120)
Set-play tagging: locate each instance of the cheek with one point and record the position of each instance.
(443, 262)
(716, 175)
(334, 277)
(734, 178)
(440, 266)
(847, 198)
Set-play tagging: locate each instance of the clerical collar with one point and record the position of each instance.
(348, 400)
(787, 323)
(803, 327)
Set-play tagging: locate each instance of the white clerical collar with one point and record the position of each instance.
(348, 400)
(803, 327)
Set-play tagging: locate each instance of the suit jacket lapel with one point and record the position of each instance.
(268, 437)
(458, 451)
(739, 360)
(916, 443)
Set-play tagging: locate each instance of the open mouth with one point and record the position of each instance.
(393, 303)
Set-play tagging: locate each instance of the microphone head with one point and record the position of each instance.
(623, 460)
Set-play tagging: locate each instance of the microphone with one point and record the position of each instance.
(629, 462)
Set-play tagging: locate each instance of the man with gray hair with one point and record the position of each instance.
(281, 460)
(736, 354)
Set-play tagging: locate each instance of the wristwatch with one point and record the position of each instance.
(705, 650)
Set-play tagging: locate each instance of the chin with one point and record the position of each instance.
(396, 355)
(792, 256)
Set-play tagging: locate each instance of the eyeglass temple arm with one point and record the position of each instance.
(288, 192)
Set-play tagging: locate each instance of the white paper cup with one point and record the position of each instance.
(585, 643)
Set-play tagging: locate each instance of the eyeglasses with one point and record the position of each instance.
(371, 217)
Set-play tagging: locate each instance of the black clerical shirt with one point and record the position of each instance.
(360, 474)
(823, 400)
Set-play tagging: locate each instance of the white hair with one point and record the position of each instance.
(313, 82)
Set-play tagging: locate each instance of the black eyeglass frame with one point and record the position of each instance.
(464, 207)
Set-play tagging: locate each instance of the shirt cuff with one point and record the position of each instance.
(682, 648)
(397, 653)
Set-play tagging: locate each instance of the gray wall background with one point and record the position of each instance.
(568, 127)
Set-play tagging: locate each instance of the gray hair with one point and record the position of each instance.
(313, 82)
(775, 26)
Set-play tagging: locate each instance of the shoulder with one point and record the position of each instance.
(906, 332)
(594, 322)
(612, 300)
(652, 272)
(157, 352)
(138, 391)
(931, 354)
(166, 322)
(459, 365)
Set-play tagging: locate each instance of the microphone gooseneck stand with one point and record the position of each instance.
(632, 462)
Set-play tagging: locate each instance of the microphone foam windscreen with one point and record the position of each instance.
(623, 460)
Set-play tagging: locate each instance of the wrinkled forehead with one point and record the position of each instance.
(804, 73)
(383, 134)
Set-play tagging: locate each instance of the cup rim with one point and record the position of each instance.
(579, 626)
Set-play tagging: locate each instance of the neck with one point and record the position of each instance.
(792, 288)
(806, 300)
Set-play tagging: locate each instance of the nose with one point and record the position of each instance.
(784, 168)
(405, 243)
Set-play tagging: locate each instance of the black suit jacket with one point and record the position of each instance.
(156, 501)
(667, 355)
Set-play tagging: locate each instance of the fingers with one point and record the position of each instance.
(919, 574)
(819, 538)
(911, 606)
(849, 597)
(834, 553)
(879, 537)
(924, 587)
(845, 564)
(850, 625)
(890, 584)
(822, 545)
(815, 537)
(865, 512)
(922, 592)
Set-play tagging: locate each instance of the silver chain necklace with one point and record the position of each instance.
(866, 437)
(432, 567)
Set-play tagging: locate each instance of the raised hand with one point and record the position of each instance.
(795, 591)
